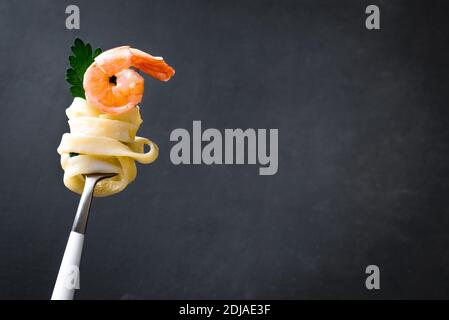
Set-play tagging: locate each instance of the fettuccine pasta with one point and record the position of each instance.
(103, 127)
(102, 143)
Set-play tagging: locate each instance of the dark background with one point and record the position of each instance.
(363, 151)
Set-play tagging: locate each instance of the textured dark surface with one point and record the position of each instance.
(363, 176)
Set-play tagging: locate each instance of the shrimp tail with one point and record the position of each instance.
(153, 66)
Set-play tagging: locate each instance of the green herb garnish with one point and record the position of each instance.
(73, 154)
(81, 58)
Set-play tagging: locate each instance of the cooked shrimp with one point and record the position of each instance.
(113, 87)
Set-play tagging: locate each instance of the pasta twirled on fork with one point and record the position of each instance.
(100, 143)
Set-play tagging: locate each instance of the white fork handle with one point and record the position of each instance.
(68, 276)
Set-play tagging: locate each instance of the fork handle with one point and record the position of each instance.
(68, 276)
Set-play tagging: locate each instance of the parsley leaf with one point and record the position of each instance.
(81, 58)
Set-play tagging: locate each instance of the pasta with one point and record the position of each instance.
(103, 126)
(102, 143)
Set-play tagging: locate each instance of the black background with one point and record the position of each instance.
(363, 151)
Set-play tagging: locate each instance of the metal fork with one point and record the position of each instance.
(68, 276)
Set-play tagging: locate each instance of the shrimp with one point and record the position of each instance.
(113, 87)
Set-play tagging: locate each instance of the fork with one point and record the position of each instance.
(68, 276)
